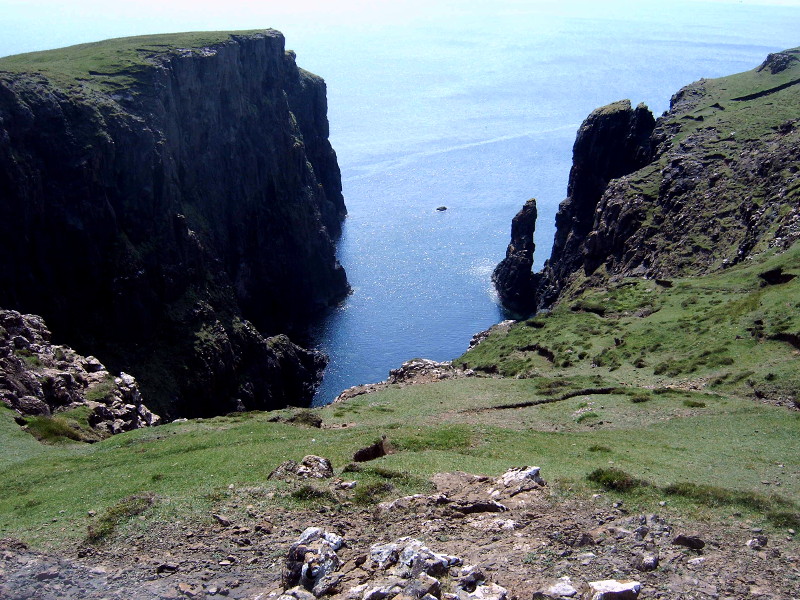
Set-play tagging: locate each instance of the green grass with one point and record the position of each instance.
(111, 65)
(730, 444)
(101, 390)
(114, 515)
(710, 328)
(63, 427)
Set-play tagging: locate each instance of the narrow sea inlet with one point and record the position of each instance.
(477, 111)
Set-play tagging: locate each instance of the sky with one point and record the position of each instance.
(28, 25)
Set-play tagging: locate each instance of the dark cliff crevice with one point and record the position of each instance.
(148, 222)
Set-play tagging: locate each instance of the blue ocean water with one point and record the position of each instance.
(479, 113)
(470, 104)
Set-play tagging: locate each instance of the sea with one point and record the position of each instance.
(470, 105)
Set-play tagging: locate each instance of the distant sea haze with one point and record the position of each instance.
(469, 105)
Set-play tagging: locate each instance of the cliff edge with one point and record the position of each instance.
(709, 184)
(165, 200)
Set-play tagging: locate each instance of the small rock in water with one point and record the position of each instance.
(441, 208)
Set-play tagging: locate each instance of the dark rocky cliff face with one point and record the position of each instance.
(712, 182)
(613, 141)
(513, 277)
(145, 224)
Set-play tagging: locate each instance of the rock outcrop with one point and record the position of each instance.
(153, 201)
(712, 182)
(41, 379)
(412, 372)
(513, 277)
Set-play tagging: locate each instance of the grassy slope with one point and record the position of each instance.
(717, 434)
(111, 64)
(680, 367)
(716, 129)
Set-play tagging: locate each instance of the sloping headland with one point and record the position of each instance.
(657, 391)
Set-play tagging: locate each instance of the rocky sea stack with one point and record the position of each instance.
(710, 183)
(167, 203)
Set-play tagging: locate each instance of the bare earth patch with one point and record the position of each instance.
(515, 530)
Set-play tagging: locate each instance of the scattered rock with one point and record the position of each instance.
(380, 448)
(222, 520)
(190, 590)
(167, 567)
(311, 467)
(562, 588)
(689, 541)
(646, 561)
(487, 591)
(758, 542)
(611, 589)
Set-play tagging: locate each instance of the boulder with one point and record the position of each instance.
(561, 588)
(611, 589)
(312, 562)
(311, 467)
(689, 541)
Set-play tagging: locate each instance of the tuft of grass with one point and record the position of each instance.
(587, 416)
(102, 390)
(371, 492)
(71, 426)
(639, 398)
(308, 493)
(615, 479)
(694, 403)
(598, 448)
(307, 418)
(115, 515)
(389, 473)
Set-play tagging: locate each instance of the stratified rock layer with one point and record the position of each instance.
(144, 219)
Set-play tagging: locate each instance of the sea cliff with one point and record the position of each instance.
(168, 203)
(709, 184)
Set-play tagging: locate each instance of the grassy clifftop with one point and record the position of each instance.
(114, 64)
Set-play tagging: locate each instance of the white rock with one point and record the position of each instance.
(334, 540)
(519, 475)
(563, 588)
(611, 589)
(487, 591)
(311, 534)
